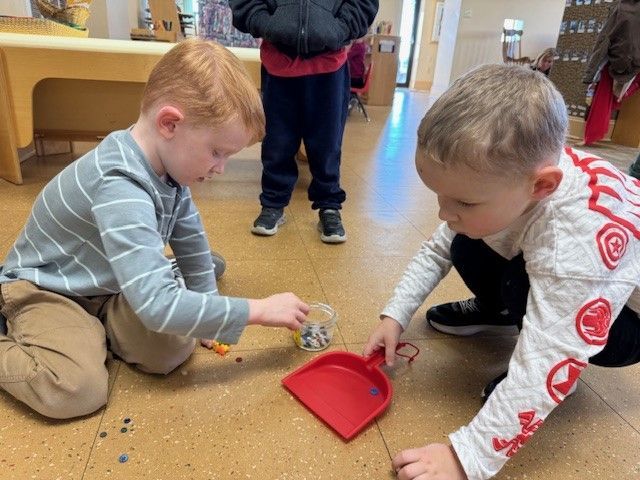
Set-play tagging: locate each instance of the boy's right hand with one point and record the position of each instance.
(386, 335)
(279, 310)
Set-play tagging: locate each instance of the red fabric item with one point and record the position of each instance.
(281, 65)
(356, 55)
(603, 104)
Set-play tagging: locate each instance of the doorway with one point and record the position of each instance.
(408, 32)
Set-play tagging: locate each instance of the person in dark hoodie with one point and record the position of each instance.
(305, 88)
(613, 67)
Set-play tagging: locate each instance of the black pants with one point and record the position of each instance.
(501, 284)
(312, 109)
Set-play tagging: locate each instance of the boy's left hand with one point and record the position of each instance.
(436, 461)
(207, 343)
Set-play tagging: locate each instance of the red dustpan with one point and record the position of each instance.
(345, 390)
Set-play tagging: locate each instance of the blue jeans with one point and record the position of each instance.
(312, 109)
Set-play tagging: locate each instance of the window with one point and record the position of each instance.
(512, 30)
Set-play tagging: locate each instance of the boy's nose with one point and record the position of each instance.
(445, 215)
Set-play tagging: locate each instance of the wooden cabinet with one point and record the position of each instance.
(384, 58)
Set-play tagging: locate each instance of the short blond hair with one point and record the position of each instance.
(499, 119)
(208, 83)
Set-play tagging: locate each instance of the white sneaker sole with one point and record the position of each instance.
(468, 330)
(267, 232)
(331, 238)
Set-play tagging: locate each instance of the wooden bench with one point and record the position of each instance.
(74, 88)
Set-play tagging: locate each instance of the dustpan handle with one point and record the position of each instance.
(377, 358)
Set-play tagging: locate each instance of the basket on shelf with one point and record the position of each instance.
(39, 26)
(75, 13)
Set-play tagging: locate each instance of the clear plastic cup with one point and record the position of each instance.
(316, 332)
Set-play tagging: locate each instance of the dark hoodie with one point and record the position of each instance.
(304, 28)
(618, 43)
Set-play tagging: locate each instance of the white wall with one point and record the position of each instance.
(426, 50)
(15, 8)
(122, 16)
(449, 36)
(481, 24)
(390, 10)
(112, 19)
(97, 23)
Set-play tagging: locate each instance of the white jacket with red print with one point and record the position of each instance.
(582, 249)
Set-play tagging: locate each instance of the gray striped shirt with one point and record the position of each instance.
(100, 228)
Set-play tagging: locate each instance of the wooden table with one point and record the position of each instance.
(74, 87)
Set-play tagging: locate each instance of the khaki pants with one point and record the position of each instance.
(53, 355)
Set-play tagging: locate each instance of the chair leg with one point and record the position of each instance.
(353, 99)
(361, 106)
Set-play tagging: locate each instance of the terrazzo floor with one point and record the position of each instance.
(218, 418)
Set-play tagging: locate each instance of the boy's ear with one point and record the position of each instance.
(167, 117)
(546, 181)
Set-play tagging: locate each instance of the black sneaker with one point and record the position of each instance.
(268, 221)
(330, 226)
(491, 386)
(467, 318)
(219, 266)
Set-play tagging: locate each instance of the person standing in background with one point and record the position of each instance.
(305, 92)
(613, 65)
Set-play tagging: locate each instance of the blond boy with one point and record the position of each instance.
(546, 238)
(88, 271)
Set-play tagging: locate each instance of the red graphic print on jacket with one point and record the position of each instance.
(529, 426)
(593, 321)
(612, 242)
(613, 194)
(562, 377)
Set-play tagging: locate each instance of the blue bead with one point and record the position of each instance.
(123, 458)
(374, 391)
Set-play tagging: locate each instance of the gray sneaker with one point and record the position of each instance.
(330, 226)
(268, 221)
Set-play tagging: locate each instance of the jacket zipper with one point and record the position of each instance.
(304, 18)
